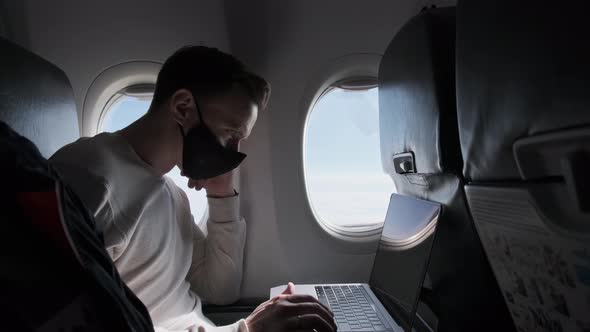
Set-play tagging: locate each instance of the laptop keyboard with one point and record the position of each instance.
(351, 309)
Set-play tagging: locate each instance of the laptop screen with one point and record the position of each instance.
(403, 255)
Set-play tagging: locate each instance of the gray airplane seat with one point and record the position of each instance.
(36, 99)
(524, 121)
(420, 150)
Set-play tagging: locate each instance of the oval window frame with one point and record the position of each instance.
(343, 71)
(139, 91)
(110, 82)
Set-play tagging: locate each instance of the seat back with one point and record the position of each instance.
(36, 99)
(421, 151)
(58, 275)
(524, 117)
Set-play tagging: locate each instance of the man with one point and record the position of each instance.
(205, 103)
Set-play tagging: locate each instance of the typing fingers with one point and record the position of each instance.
(310, 323)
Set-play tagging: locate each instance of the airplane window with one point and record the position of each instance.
(126, 109)
(345, 183)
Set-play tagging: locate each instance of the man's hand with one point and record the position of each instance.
(218, 187)
(288, 312)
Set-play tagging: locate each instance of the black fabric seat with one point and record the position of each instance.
(421, 151)
(524, 117)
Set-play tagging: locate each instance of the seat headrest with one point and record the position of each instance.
(417, 106)
(36, 99)
(522, 70)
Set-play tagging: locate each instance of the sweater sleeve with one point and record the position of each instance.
(216, 268)
(239, 326)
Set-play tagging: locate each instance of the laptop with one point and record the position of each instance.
(388, 303)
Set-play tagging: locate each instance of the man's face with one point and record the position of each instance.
(230, 118)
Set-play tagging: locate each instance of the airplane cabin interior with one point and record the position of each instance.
(417, 166)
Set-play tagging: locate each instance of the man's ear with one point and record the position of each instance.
(183, 107)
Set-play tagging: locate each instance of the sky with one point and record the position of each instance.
(343, 172)
(344, 178)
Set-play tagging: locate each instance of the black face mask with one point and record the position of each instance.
(203, 157)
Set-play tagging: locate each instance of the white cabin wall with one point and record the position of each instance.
(287, 42)
(86, 37)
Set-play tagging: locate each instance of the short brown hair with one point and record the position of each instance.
(208, 72)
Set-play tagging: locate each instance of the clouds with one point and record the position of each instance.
(343, 172)
(350, 199)
(342, 133)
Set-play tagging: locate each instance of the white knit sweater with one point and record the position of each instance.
(149, 232)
